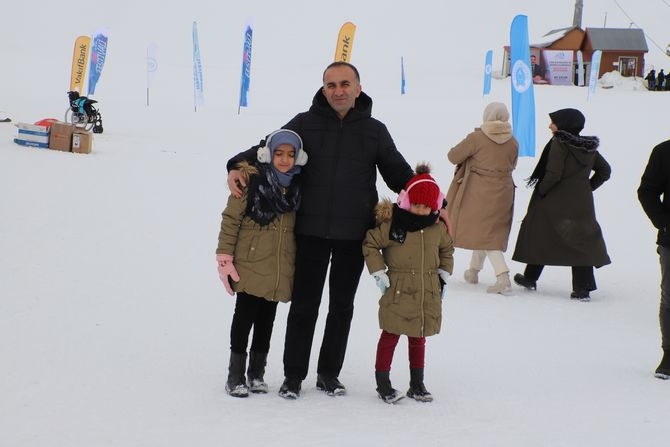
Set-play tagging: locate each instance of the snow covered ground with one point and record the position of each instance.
(114, 325)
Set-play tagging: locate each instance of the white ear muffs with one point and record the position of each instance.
(301, 159)
(264, 154)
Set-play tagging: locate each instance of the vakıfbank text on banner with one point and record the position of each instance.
(345, 42)
(82, 47)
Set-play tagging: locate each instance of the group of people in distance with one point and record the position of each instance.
(304, 208)
(658, 82)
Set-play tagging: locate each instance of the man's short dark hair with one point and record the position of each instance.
(342, 64)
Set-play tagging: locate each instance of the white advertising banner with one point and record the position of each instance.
(559, 66)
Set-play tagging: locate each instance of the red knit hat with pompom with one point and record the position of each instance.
(423, 189)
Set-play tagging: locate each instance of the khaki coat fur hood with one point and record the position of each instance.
(384, 211)
(247, 170)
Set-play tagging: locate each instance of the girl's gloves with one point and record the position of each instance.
(227, 271)
(382, 280)
(444, 275)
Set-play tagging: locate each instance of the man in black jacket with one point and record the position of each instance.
(346, 146)
(654, 195)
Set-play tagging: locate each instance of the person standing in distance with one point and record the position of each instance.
(654, 196)
(346, 147)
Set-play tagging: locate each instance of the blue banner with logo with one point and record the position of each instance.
(245, 81)
(152, 66)
(98, 53)
(198, 91)
(402, 76)
(523, 96)
(488, 67)
(580, 68)
(595, 69)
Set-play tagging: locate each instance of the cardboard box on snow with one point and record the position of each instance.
(82, 141)
(32, 135)
(60, 137)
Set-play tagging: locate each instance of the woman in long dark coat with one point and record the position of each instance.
(560, 226)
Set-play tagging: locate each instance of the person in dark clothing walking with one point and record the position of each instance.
(660, 79)
(560, 226)
(346, 147)
(654, 196)
(651, 79)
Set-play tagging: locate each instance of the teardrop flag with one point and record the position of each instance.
(82, 47)
(345, 42)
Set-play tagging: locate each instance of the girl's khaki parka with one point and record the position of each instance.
(264, 256)
(412, 305)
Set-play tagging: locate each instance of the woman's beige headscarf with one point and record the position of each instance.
(496, 124)
(496, 111)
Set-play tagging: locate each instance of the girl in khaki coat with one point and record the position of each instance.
(418, 252)
(481, 195)
(256, 254)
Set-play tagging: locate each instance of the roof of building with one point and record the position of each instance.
(623, 39)
(552, 36)
(559, 32)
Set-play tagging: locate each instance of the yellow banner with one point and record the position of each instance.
(345, 42)
(82, 47)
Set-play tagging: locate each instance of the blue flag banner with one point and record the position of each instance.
(402, 76)
(523, 96)
(595, 69)
(488, 67)
(98, 53)
(580, 68)
(152, 66)
(198, 93)
(245, 81)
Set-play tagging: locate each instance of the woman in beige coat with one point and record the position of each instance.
(481, 195)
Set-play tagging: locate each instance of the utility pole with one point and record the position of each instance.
(577, 18)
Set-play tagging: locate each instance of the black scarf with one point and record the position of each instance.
(267, 199)
(403, 221)
(540, 168)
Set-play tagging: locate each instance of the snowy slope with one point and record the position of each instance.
(114, 325)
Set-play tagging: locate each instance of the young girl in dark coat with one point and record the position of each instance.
(410, 256)
(256, 254)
